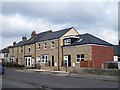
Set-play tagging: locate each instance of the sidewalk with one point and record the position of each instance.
(76, 75)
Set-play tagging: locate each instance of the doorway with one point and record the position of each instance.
(67, 60)
(52, 60)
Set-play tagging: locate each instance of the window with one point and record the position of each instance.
(44, 58)
(67, 42)
(12, 51)
(38, 46)
(80, 57)
(45, 45)
(21, 50)
(28, 49)
(28, 61)
(38, 59)
(52, 44)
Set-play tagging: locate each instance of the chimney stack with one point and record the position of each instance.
(24, 38)
(33, 34)
(14, 43)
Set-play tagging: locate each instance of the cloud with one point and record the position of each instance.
(97, 18)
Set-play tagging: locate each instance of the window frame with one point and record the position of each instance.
(29, 51)
(44, 58)
(52, 44)
(45, 45)
(67, 41)
(39, 46)
(80, 57)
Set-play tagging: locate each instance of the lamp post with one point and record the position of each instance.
(21, 65)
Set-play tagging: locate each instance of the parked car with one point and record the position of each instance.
(2, 70)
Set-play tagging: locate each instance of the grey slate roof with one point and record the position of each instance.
(55, 35)
(48, 35)
(117, 50)
(5, 50)
(89, 39)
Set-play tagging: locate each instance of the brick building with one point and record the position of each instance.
(58, 49)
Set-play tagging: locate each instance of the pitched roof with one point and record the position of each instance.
(5, 50)
(48, 35)
(117, 50)
(56, 34)
(89, 39)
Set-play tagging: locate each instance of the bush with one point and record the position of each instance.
(112, 66)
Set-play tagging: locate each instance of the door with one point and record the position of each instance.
(67, 60)
(52, 60)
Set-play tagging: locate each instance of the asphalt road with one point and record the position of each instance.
(37, 79)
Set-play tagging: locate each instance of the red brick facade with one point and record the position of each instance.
(101, 54)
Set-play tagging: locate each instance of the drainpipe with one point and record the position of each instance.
(24, 55)
(58, 56)
(35, 55)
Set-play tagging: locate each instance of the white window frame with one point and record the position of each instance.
(80, 58)
(28, 49)
(28, 63)
(67, 41)
(52, 45)
(38, 59)
(45, 45)
(45, 59)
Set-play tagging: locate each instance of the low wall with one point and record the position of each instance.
(109, 72)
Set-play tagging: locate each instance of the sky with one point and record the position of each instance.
(99, 18)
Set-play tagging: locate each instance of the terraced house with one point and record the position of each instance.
(58, 49)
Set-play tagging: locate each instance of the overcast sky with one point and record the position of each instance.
(21, 18)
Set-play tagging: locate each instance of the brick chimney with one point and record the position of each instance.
(24, 38)
(33, 34)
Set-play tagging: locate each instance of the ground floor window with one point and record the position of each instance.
(12, 59)
(38, 59)
(80, 57)
(28, 61)
(44, 58)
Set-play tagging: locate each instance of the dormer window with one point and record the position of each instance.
(67, 41)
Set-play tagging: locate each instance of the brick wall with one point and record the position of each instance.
(101, 54)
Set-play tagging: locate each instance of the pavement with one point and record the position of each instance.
(74, 75)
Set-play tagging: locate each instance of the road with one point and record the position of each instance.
(23, 79)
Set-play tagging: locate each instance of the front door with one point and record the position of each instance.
(52, 60)
(67, 60)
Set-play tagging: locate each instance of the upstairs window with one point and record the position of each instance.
(67, 41)
(45, 45)
(21, 49)
(28, 49)
(52, 44)
(38, 46)
(80, 57)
